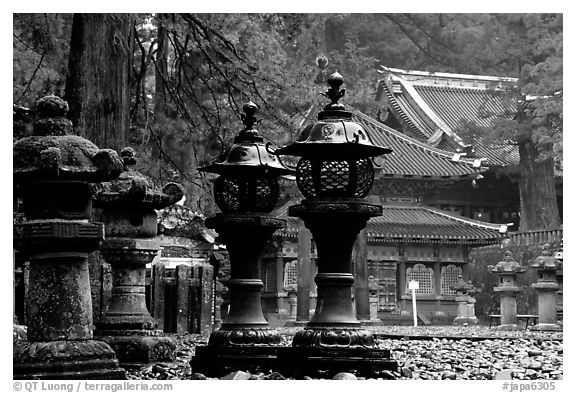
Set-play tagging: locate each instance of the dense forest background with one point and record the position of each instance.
(172, 85)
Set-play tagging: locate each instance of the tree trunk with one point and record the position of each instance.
(99, 69)
(538, 204)
(161, 71)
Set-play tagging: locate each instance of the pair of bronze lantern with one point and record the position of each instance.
(334, 173)
(335, 160)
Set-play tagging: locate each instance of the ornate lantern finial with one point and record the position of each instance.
(128, 156)
(336, 151)
(334, 93)
(248, 181)
(249, 119)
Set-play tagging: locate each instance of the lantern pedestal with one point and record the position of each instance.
(333, 340)
(244, 342)
(546, 306)
(127, 325)
(508, 309)
(60, 343)
(465, 313)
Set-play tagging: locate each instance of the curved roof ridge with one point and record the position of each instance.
(447, 75)
(408, 139)
(394, 102)
(470, 221)
(442, 126)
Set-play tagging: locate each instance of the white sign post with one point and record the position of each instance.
(413, 286)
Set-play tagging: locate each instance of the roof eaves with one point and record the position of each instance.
(480, 224)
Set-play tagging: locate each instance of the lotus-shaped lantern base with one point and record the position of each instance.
(334, 341)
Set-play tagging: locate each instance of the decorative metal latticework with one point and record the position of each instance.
(246, 194)
(323, 178)
(449, 277)
(425, 277)
(336, 152)
(291, 275)
(248, 171)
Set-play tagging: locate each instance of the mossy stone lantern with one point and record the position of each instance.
(507, 271)
(128, 209)
(546, 288)
(246, 191)
(52, 171)
(464, 291)
(334, 173)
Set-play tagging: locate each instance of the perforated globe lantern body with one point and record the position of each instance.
(335, 152)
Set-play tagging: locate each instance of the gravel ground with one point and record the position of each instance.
(439, 352)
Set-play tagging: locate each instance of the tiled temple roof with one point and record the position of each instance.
(424, 223)
(414, 223)
(410, 158)
(441, 108)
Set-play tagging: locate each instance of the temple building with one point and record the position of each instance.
(441, 188)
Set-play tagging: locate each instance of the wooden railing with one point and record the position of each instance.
(536, 237)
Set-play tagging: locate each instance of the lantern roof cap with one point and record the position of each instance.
(507, 265)
(335, 135)
(249, 155)
(461, 285)
(546, 261)
(53, 153)
(135, 189)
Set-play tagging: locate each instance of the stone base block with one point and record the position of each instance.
(89, 359)
(215, 361)
(546, 327)
(507, 327)
(465, 320)
(298, 362)
(135, 349)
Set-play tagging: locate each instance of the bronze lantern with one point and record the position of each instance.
(335, 152)
(246, 191)
(334, 173)
(248, 179)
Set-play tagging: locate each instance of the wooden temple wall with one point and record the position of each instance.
(391, 265)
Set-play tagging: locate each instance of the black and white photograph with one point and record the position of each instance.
(368, 196)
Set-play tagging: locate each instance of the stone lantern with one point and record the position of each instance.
(507, 271)
(52, 170)
(547, 266)
(334, 173)
(128, 209)
(465, 312)
(373, 294)
(246, 192)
